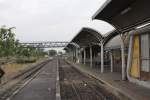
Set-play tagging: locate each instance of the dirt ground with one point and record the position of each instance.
(14, 68)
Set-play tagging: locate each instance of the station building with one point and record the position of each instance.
(125, 50)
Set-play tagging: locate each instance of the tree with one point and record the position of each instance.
(7, 40)
(9, 46)
(10, 42)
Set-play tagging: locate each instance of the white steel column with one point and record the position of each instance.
(74, 56)
(77, 56)
(123, 59)
(111, 61)
(91, 57)
(84, 51)
(102, 57)
(130, 56)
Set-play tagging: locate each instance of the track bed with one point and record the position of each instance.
(76, 86)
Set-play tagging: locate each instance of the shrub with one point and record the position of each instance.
(26, 60)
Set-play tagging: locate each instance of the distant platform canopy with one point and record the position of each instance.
(124, 15)
(89, 37)
(86, 37)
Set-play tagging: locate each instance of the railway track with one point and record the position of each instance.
(75, 85)
(14, 85)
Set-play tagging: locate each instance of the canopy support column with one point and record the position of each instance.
(77, 56)
(74, 56)
(102, 57)
(123, 58)
(84, 59)
(91, 57)
(111, 61)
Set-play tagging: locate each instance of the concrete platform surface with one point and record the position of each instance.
(42, 87)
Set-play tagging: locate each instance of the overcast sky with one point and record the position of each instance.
(50, 20)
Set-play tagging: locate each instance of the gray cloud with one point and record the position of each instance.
(43, 20)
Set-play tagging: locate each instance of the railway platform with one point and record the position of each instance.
(115, 84)
(38, 84)
(42, 87)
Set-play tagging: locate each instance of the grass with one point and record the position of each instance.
(25, 60)
(14, 68)
(11, 69)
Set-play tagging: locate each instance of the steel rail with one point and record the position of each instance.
(75, 90)
(90, 85)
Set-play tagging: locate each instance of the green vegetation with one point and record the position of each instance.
(10, 47)
(25, 60)
(7, 41)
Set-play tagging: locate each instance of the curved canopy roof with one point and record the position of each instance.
(124, 14)
(89, 36)
(110, 35)
(86, 37)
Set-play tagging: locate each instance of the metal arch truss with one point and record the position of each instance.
(74, 44)
(50, 44)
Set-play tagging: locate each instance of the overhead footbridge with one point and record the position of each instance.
(45, 44)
